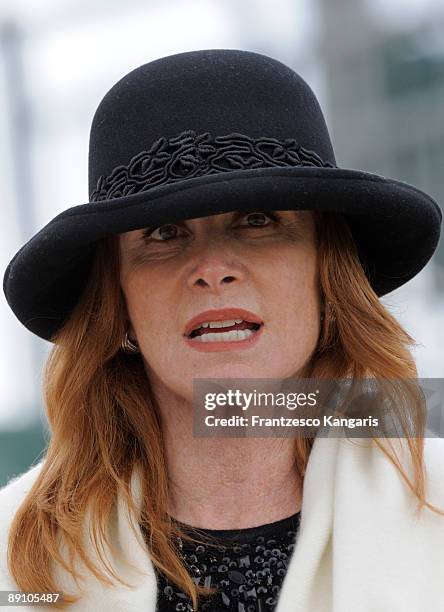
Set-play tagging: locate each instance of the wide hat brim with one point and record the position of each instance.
(396, 228)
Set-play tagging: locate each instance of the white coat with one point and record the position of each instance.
(360, 547)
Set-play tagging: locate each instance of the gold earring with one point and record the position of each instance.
(128, 346)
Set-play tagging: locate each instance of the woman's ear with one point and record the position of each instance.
(130, 329)
(128, 326)
(131, 333)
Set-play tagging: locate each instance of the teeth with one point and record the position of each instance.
(233, 335)
(219, 324)
(227, 323)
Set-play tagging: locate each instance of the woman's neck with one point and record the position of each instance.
(226, 483)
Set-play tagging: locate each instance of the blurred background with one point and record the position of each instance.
(376, 66)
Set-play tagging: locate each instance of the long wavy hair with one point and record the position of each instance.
(104, 421)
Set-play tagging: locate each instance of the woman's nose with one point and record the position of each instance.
(213, 272)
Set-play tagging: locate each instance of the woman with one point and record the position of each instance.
(216, 207)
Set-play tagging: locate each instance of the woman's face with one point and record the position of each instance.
(261, 262)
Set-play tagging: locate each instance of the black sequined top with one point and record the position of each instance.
(248, 567)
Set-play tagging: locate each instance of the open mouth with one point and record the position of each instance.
(224, 331)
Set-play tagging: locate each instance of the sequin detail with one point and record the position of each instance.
(190, 155)
(248, 568)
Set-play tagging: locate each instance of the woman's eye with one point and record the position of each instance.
(259, 219)
(170, 231)
(162, 233)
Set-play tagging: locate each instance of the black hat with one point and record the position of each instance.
(207, 132)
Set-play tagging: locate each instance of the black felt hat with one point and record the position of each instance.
(206, 132)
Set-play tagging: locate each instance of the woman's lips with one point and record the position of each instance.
(221, 314)
(243, 325)
(211, 346)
